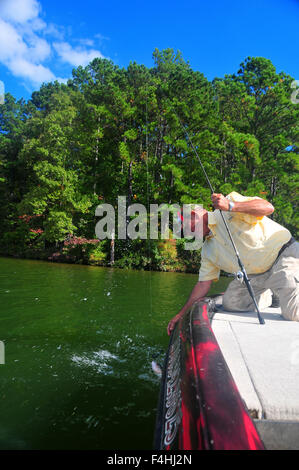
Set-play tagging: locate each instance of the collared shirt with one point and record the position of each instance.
(258, 241)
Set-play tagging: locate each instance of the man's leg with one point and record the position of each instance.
(237, 297)
(284, 281)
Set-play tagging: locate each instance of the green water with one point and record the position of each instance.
(79, 342)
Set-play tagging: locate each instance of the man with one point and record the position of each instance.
(268, 251)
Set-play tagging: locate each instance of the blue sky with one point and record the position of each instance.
(42, 40)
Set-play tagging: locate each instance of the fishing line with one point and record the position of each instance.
(148, 203)
(156, 367)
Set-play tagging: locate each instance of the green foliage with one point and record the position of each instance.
(97, 255)
(133, 254)
(57, 226)
(190, 259)
(113, 131)
(81, 250)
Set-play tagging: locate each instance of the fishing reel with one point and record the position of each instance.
(239, 276)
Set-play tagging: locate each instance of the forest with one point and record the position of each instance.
(114, 131)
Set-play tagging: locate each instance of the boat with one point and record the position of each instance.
(210, 396)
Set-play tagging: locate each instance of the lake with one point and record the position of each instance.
(79, 342)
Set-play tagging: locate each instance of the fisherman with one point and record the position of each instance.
(268, 250)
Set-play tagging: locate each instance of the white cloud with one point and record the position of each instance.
(11, 43)
(55, 31)
(19, 11)
(22, 58)
(101, 38)
(86, 42)
(25, 43)
(36, 73)
(39, 49)
(75, 56)
(37, 24)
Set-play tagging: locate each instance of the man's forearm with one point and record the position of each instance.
(199, 291)
(257, 207)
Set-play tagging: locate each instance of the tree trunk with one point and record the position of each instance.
(112, 248)
(130, 189)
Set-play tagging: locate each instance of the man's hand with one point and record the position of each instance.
(199, 291)
(220, 202)
(172, 323)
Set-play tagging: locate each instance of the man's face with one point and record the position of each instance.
(197, 221)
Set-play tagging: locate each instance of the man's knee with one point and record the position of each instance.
(289, 299)
(290, 315)
(264, 300)
(237, 298)
(290, 309)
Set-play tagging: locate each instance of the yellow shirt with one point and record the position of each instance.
(258, 240)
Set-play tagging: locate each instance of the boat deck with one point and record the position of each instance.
(264, 362)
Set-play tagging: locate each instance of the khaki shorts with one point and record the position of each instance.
(282, 279)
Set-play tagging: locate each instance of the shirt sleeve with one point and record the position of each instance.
(249, 218)
(208, 271)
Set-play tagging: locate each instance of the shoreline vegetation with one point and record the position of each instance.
(164, 255)
(114, 131)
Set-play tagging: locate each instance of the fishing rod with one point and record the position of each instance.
(243, 275)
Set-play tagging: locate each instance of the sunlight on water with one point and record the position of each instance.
(99, 360)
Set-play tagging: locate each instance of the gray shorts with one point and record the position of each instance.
(282, 279)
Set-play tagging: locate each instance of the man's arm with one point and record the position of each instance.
(199, 291)
(257, 207)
